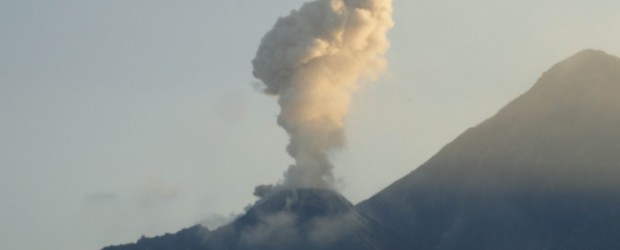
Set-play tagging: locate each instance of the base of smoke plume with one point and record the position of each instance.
(287, 217)
(286, 228)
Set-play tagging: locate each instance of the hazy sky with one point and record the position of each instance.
(124, 118)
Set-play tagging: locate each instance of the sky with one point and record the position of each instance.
(127, 118)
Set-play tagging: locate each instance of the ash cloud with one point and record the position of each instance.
(313, 60)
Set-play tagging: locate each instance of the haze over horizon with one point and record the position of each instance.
(120, 115)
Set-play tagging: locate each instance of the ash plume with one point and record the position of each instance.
(313, 59)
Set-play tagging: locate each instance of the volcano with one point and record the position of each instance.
(540, 174)
(304, 218)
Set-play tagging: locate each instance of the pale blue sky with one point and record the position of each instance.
(123, 118)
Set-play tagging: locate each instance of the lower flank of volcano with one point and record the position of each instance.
(305, 218)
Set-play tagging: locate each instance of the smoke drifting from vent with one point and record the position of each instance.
(313, 60)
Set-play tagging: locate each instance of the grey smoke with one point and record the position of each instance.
(313, 60)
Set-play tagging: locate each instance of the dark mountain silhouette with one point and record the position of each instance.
(186, 239)
(540, 174)
(289, 219)
(543, 173)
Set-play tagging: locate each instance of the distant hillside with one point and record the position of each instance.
(186, 239)
(541, 174)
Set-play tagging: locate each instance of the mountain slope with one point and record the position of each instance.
(306, 219)
(189, 238)
(289, 219)
(541, 174)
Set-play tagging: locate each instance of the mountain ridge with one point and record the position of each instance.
(303, 218)
(534, 170)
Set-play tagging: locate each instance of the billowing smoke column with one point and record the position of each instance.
(313, 60)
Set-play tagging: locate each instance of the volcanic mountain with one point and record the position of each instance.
(543, 173)
(305, 218)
